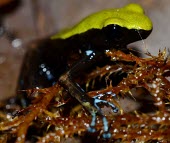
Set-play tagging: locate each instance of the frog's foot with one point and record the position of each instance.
(100, 101)
(106, 134)
(92, 129)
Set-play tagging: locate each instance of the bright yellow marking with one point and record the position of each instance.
(130, 16)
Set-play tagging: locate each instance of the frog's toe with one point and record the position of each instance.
(115, 109)
(91, 129)
(99, 101)
(106, 135)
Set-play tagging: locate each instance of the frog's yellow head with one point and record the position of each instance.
(131, 17)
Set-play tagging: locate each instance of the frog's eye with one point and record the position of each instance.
(114, 32)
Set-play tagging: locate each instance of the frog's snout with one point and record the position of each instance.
(144, 33)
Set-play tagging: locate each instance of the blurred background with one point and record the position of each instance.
(22, 21)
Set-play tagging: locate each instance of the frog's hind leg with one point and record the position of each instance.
(97, 101)
(92, 129)
(91, 104)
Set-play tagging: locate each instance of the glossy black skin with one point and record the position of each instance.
(60, 55)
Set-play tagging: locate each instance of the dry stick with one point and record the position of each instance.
(37, 109)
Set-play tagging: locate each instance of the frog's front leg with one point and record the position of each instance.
(91, 104)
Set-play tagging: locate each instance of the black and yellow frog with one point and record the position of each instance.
(62, 57)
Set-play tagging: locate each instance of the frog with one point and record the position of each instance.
(62, 57)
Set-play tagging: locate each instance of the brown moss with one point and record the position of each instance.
(52, 117)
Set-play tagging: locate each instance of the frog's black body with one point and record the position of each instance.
(46, 61)
(61, 60)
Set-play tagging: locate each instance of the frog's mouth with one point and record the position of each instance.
(140, 34)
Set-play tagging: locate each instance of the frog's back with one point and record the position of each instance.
(131, 17)
(48, 59)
